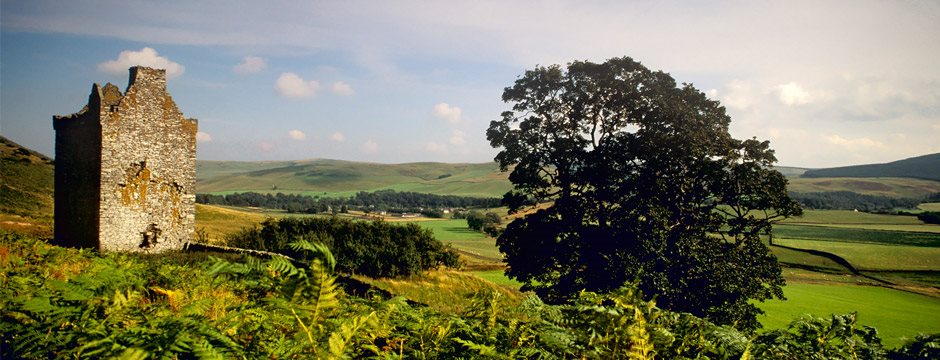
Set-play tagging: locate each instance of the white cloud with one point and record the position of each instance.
(369, 147)
(203, 137)
(434, 147)
(450, 113)
(297, 135)
(338, 137)
(791, 94)
(266, 146)
(457, 137)
(737, 95)
(862, 142)
(293, 86)
(145, 57)
(342, 88)
(250, 65)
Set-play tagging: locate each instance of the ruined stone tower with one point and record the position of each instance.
(125, 172)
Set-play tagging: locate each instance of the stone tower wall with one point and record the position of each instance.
(147, 167)
(78, 175)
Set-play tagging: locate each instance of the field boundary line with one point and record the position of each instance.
(838, 259)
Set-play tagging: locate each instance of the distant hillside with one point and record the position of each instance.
(890, 187)
(790, 171)
(922, 167)
(26, 181)
(337, 176)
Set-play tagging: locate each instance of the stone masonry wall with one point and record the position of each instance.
(147, 167)
(77, 175)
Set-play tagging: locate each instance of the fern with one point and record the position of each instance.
(339, 342)
(484, 350)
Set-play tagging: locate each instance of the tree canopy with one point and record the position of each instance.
(646, 185)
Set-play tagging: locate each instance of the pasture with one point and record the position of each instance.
(857, 235)
(896, 314)
(481, 249)
(929, 206)
(874, 256)
(849, 217)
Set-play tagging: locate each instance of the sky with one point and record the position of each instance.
(829, 83)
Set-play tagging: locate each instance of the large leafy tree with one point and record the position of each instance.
(645, 185)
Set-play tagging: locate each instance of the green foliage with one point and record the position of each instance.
(372, 248)
(930, 217)
(488, 222)
(847, 200)
(378, 200)
(641, 175)
(921, 347)
(67, 303)
(810, 337)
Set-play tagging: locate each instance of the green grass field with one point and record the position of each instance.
(923, 228)
(497, 277)
(850, 217)
(451, 230)
(801, 259)
(929, 206)
(896, 314)
(873, 256)
(909, 238)
(456, 233)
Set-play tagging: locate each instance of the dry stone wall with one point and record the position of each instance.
(147, 167)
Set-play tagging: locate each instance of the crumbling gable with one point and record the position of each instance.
(126, 169)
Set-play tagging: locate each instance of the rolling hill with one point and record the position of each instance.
(891, 187)
(338, 177)
(925, 167)
(26, 181)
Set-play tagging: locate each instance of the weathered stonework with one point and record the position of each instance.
(126, 169)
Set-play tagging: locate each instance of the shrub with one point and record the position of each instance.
(376, 248)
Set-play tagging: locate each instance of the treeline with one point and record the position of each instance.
(847, 200)
(382, 200)
(371, 248)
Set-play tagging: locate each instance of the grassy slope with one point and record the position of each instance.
(218, 221)
(332, 176)
(445, 290)
(921, 167)
(26, 189)
(884, 186)
(343, 178)
(790, 171)
(894, 313)
(874, 257)
(930, 206)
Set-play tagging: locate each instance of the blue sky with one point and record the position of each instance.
(827, 82)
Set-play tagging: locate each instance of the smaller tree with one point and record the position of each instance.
(487, 222)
